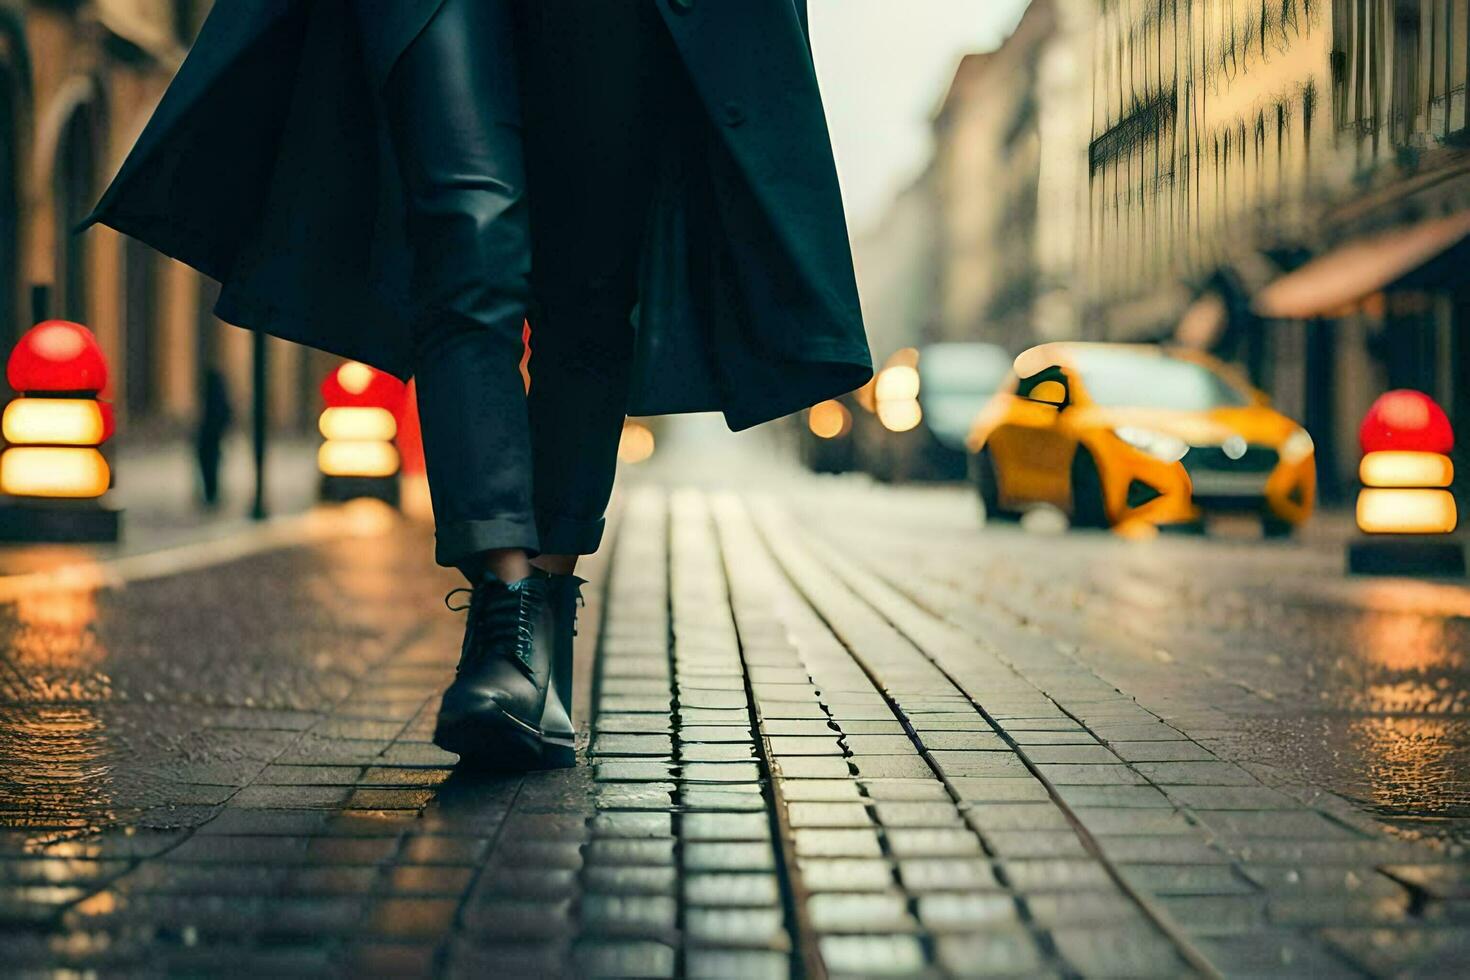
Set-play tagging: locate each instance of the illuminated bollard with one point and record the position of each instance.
(52, 472)
(1405, 509)
(358, 457)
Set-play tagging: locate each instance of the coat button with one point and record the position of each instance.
(681, 6)
(731, 114)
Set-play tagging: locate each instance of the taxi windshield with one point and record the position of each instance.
(1123, 379)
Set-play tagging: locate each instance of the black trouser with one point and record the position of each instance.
(525, 132)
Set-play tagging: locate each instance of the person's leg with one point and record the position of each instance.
(595, 77)
(452, 107)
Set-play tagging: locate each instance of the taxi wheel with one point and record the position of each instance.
(1088, 508)
(1275, 528)
(982, 468)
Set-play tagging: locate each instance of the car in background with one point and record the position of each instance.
(1120, 435)
(919, 409)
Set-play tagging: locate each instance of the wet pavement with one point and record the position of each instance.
(830, 729)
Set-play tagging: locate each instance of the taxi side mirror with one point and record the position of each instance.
(1052, 393)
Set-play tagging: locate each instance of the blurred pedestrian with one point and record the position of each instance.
(214, 421)
(405, 182)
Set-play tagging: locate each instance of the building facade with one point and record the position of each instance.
(1241, 143)
(78, 81)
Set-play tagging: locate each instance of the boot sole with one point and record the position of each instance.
(493, 739)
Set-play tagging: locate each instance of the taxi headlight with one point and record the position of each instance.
(1159, 445)
(1297, 447)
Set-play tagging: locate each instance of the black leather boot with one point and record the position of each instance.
(564, 596)
(505, 709)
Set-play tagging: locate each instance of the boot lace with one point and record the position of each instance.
(502, 617)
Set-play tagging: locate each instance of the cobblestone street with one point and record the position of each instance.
(831, 729)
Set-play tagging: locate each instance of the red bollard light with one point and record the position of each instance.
(52, 471)
(1405, 508)
(358, 457)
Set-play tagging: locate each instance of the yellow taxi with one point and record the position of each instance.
(1135, 436)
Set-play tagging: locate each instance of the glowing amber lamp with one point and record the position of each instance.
(829, 419)
(338, 457)
(360, 422)
(54, 422)
(53, 471)
(1406, 469)
(348, 423)
(636, 443)
(1406, 511)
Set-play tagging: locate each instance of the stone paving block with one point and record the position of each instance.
(622, 958)
(1034, 843)
(719, 772)
(434, 880)
(872, 956)
(1285, 823)
(922, 814)
(309, 776)
(261, 821)
(1021, 789)
(724, 797)
(1095, 775)
(797, 727)
(650, 916)
(1155, 732)
(283, 797)
(808, 710)
(632, 823)
(867, 726)
(524, 882)
(993, 953)
(1143, 797)
(1120, 952)
(627, 771)
(1334, 881)
(1217, 915)
(859, 912)
(743, 889)
(716, 733)
(1049, 724)
(906, 790)
(1187, 879)
(1162, 751)
(1195, 774)
(635, 796)
(1270, 954)
(630, 879)
(814, 842)
(1230, 798)
(763, 928)
(802, 745)
(616, 744)
(846, 874)
(1317, 910)
(809, 767)
(957, 764)
(728, 856)
(715, 716)
(890, 766)
(1070, 754)
(947, 874)
(621, 851)
(987, 817)
(725, 826)
(818, 790)
(1087, 908)
(863, 745)
(633, 724)
(1146, 849)
(932, 842)
(716, 752)
(1076, 737)
(1146, 824)
(960, 912)
(828, 815)
(1051, 874)
(721, 964)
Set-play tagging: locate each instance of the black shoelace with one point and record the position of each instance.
(502, 612)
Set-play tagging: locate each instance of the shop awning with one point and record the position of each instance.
(1359, 269)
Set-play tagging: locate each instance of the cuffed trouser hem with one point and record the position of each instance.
(569, 536)
(454, 543)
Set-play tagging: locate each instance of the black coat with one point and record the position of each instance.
(264, 167)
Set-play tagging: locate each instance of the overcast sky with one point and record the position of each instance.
(884, 65)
